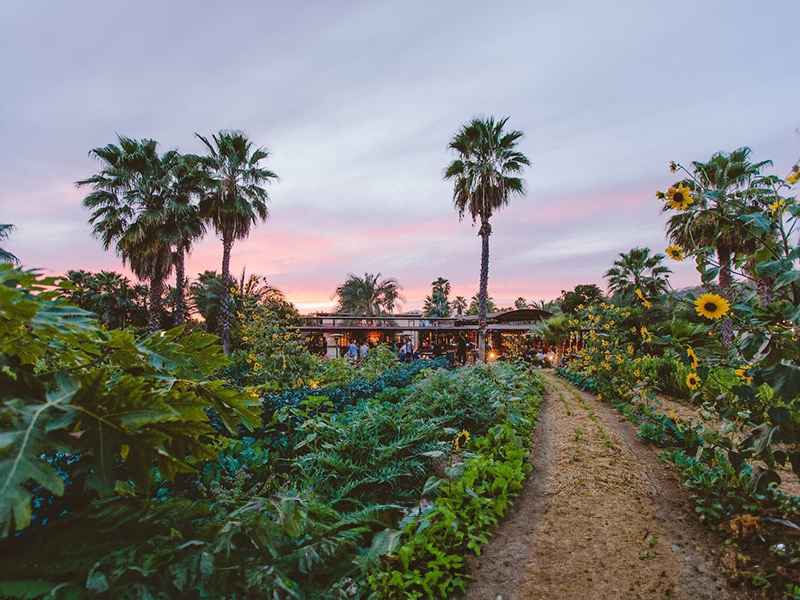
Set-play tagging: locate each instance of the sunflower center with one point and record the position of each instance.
(678, 197)
(710, 307)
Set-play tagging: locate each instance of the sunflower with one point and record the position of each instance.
(692, 381)
(661, 195)
(674, 417)
(674, 252)
(673, 166)
(711, 306)
(692, 357)
(742, 375)
(679, 197)
(461, 440)
(779, 206)
(794, 176)
(645, 301)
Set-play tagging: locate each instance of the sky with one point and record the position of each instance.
(356, 102)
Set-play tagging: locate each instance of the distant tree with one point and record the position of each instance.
(369, 296)
(459, 305)
(116, 302)
(204, 294)
(638, 270)
(582, 294)
(485, 174)
(520, 303)
(551, 306)
(437, 304)
(233, 201)
(475, 305)
(6, 256)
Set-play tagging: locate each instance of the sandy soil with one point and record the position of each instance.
(600, 518)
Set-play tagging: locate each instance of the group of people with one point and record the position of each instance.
(356, 352)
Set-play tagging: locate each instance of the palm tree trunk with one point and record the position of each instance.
(224, 294)
(154, 307)
(725, 281)
(180, 287)
(483, 293)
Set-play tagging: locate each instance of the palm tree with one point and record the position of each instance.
(111, 296)
(369, 296)
(459, 305)
(233, 201)
(204, 295)
(6, 256)
(475, 305)
(437, 304)
(723, 189)
(638, 270)
(484, 175)
(135, 209)
(520, 303)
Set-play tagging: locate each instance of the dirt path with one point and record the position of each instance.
(600, 518)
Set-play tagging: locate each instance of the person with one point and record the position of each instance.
(409, 349)
(352, 351)
(362, 352)
(461, 349)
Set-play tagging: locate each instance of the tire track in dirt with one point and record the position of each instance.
(599, 518)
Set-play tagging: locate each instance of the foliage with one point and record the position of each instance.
(122, 405)
(116, 302)
(437, 304)
(473, 495)
(581, 294)
(355, 389)
(272, 352)
(5, 255)
(369, 296)
(638, 270)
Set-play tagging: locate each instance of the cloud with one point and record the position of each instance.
(357, 102)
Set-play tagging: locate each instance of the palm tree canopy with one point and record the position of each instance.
(486, 168)
(5, 255)
(459, 304)
(138, 204)
(234, 198)
(638, 269)
(722, 188)
(368, 296)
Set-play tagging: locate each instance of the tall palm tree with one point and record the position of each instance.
(722, 189)
(638, 270)
(233, 201)
(485, 175)
(369, 296)
(5, 255)
(133, 207)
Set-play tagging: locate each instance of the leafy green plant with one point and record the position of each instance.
(122, 405)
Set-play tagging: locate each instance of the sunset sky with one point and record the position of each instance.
(357, 101)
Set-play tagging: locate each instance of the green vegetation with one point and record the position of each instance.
(127, 470)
